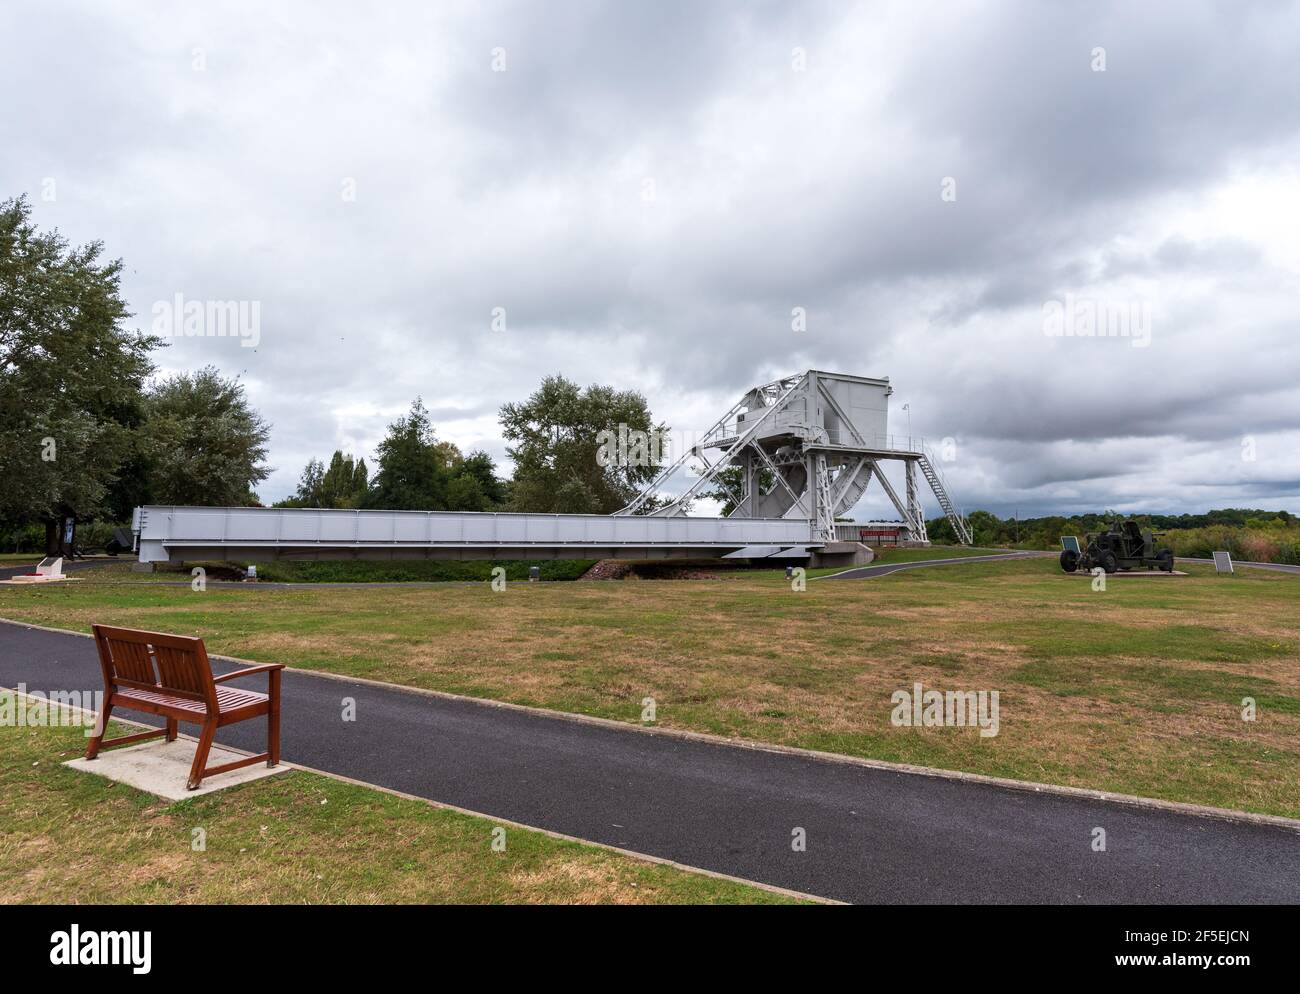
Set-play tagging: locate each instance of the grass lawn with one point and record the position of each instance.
(339, 571)
(71, 837)
(1137, 689)
(427, 570)
(440, 571)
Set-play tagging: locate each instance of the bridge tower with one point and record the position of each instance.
(808, 446)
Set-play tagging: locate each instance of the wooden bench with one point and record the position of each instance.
(170, 676)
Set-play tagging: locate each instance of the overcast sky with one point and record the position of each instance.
(649, 190)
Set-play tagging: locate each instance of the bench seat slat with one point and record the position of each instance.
(228, 699)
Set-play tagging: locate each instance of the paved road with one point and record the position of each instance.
(884, 569)
(872, 835)
(266, 585)
(1276, 567)
(69, 566)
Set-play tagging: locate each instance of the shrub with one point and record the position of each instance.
(399, 571)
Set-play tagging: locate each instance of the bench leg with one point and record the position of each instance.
(201, 754)
(171, 729)
(273, 721)
(101, 726)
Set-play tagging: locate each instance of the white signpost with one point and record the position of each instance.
(1222, 562)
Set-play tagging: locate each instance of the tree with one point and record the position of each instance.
(207, 445)
(730, 484)
(465, 493)
(360, 482)
(479, 467)
(475, 485)
(70, 376)
(419, 472)
(985, 528)
(449, 457)
(343, 484)
(309, 486)
(555, 435)
(413, 471)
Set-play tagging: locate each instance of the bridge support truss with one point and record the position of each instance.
(807, 446)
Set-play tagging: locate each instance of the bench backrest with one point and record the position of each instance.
(171, 664)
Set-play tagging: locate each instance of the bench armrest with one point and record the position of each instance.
(249, 671)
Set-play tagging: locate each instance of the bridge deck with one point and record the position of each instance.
(257, 533)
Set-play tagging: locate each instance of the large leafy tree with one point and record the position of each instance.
(474, 484)
(416, 471)
(479, 467)
(207, 445)
(413, 466)
(70, 376)
(555, 447)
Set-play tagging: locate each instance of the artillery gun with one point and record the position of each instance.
(1122, 546)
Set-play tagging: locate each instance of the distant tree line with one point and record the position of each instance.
(1266, 536)
(554, 443)
(416, 472)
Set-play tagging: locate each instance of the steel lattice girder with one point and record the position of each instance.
(791, 427)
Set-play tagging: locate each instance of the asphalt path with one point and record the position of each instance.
(884, 569)
(69, 566)
(872, 835)
(1275, 567)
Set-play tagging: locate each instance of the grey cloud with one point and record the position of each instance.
(772, 190)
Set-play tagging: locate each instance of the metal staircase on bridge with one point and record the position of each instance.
(958, 521)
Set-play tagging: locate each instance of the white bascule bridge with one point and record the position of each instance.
(803, 450)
